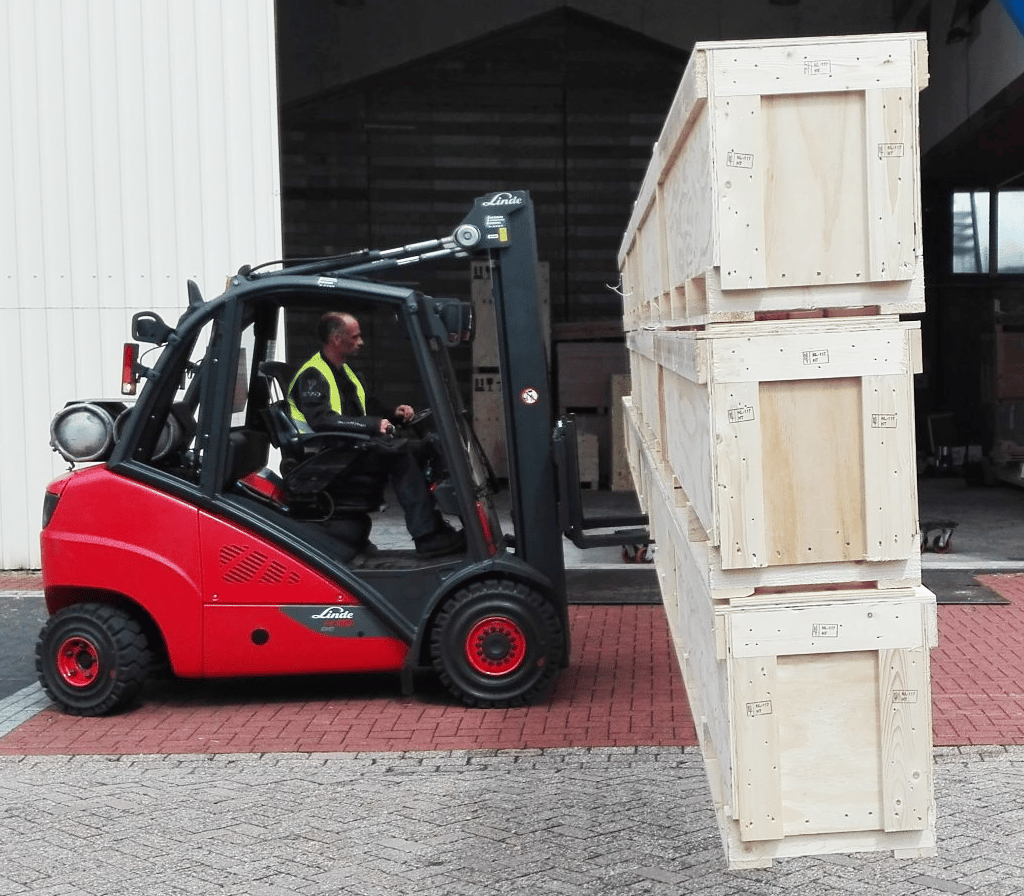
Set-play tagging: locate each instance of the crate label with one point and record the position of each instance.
(735, 159)
(904, 696)
(743, 414)
(883, 421)
(759, 708)
(487, 384)
(818, 67)
(819, 356)
(890, 150)
(825, 630)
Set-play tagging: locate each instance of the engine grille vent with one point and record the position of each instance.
(241, 564)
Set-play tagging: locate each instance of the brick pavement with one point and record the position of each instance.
(978, 669)
(623, 689)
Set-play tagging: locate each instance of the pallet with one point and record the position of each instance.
(786, 176)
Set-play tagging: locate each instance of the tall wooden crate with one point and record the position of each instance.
(770, 435)
(786, 176)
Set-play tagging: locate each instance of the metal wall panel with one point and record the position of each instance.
(138, 148)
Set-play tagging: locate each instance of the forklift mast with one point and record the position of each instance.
(503, 224)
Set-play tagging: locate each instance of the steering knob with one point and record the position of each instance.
(467, 235)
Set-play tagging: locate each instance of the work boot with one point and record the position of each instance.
(443, 540)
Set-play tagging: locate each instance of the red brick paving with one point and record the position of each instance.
(978, 669)
(623, 688)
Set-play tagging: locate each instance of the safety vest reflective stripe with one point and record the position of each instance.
(317, 362)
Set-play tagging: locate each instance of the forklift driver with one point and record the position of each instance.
(326, 395)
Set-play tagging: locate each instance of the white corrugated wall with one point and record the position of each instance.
(138, 148)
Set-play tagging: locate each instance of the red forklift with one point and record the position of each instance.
(177, 547)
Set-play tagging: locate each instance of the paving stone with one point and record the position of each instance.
(269, 824)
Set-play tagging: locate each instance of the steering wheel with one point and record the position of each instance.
(420, 416)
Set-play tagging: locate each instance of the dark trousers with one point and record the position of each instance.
(369, 474)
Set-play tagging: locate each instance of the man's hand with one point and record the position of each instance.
(386, 426)
(404, 413)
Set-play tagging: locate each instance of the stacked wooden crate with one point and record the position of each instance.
(775, 242)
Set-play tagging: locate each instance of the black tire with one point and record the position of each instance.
(92, 659)
(496, 644)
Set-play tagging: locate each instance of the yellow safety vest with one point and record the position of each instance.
(318, 362)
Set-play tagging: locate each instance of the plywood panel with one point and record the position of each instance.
(815, 227)
(687, 206)
(831, 767)
(814, 477)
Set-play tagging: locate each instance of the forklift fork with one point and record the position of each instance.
(574, 525)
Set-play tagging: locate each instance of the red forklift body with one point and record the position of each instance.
(182, 543)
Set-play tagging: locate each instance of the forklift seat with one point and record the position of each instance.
(311, 461)
(278, 373)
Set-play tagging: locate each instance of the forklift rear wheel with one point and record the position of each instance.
(92, 659)
(496, 643)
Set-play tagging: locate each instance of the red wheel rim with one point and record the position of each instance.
(78, 662)
(495, 646)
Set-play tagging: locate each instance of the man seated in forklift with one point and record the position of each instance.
(326, 395)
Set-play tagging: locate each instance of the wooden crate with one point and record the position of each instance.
(674, 522)
(793, 442)
(786, 177)
(823, 740)
(812, 706)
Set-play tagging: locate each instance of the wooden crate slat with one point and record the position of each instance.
(814, 65)
(890, 465)
(906, 726)
(890, 122)
(758, 778)
(742, 224)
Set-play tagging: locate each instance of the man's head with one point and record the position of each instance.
(340, 336)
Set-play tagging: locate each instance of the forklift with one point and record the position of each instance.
(174, 545)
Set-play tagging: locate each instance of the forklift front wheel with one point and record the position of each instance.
(92, 659)
(496, 643)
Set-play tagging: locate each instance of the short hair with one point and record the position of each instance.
(329, 324)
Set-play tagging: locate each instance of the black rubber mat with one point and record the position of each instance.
(959, 586)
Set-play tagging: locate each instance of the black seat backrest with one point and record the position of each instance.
(247, 452)
(284, 434)
(281, 373)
